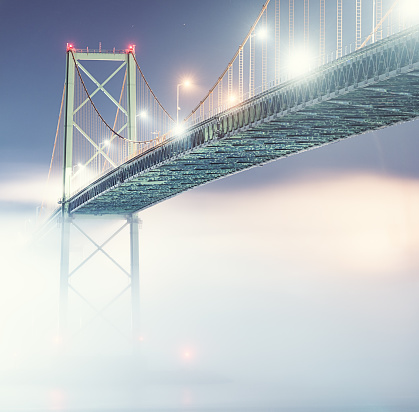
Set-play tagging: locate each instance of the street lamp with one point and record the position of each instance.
(186, 83)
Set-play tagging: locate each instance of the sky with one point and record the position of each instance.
(294, 284)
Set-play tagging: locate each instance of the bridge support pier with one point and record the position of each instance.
(67, 222)
(64, 272)
(134, 223)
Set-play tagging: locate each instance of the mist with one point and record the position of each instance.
(297, 294)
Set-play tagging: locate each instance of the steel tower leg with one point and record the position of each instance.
(132, 102)
(68, 221)
(64, 271)
(67, 170)
(135, 280)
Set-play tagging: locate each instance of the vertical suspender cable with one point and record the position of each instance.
(211, 104)
(291, 26)
(241, 75)
(220, 95)
(322, 32)
(230, 84)
(358, 24)
(339, 29)
(306, 24)
(378, 17)
(277, 40)
(252, 66)
(202, 111)
(264, 51)
(389, 25)
(374, 10)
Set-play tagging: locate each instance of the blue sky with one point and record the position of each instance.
(294, 278)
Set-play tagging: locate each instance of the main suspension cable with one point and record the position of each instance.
(149, 88)
(53, 149)
(219, 80)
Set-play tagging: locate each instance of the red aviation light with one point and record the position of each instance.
(131, 48)
(69, 46)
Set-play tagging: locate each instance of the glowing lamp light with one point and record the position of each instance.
(143, 114)
(187, 83)
(179, 129)
(410, 10)
(232, 98)
(262, 33)
(80, 165)
(69, 46)
(299, 63)
(106, 143)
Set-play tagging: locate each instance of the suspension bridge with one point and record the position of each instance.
(117, 150)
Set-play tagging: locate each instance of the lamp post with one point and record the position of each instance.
(185, 83)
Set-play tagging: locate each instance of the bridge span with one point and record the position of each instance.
(372, 88)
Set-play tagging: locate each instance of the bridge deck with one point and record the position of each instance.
(370, 89)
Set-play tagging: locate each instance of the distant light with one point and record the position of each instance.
(410, 10)
(232, 98)
(179, 129)
(131, 48)
(140, 338)
(187, 83)
(80, 165)
(69, 46)
(106, 142)
(143, 114)
(262, 33)
(187, 355)
(299, 63)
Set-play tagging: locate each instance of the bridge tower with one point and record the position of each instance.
(68, 220)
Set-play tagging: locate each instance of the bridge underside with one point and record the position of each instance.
(351, 96)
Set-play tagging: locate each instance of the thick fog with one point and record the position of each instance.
(294, 285)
